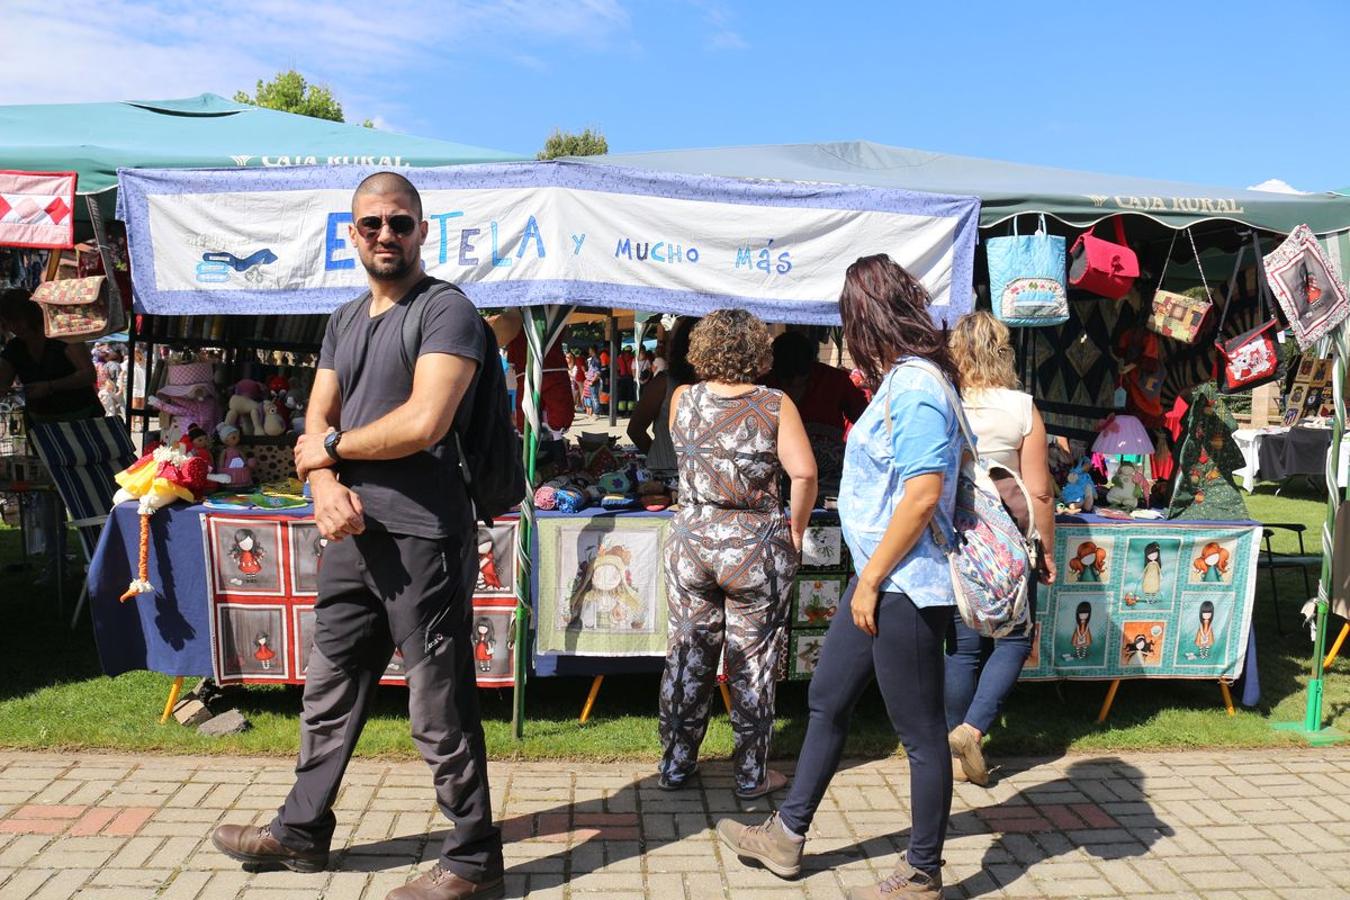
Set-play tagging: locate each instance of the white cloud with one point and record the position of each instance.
(1276, 186)
(723, 36)
(90, 50)
(727, 40)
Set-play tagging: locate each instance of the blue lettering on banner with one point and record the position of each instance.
(497, 260)
(764, 260)
(334, 244)
(531, 231)
(659, 252)
(465, 248)
(576, 244)
(445, 238)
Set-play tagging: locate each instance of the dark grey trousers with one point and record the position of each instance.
(378, 592)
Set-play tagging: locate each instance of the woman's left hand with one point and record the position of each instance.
(862, 606)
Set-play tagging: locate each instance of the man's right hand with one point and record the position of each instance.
(337, 508)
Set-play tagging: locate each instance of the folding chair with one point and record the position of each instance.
(83, 456)
(1270, 561)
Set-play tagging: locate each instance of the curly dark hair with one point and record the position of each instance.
(730, 346)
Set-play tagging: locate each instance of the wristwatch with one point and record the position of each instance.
(330, 445)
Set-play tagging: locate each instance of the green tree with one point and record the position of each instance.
(290, 92)
(565, 143)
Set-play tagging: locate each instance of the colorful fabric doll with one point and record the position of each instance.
(1151, 583)
(1081, 641)
(1204, 635)
(1212, 563)
(1088, 563)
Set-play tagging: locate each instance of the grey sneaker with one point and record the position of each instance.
(964, 742)
(905, 882)
(768, 844)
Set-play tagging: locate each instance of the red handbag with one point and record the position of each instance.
(1254, 358)
(1101, 267)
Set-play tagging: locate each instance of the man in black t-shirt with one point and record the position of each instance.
(401, 563)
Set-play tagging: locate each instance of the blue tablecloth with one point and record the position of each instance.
(166, 631)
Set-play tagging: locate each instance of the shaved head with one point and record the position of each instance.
(383, 183)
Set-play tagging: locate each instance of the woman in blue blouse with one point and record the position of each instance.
(900, 471)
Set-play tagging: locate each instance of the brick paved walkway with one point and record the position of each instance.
(1211, 824)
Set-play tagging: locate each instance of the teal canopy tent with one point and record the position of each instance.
(95, 139)
(1005, 189)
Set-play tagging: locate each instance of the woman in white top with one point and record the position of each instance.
(981, 672)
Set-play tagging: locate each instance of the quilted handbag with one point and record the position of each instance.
(1254, 358)
(1101, 267)
(76, 308)
(1026, 278)
(1180, 317)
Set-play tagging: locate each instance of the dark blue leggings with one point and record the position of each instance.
(982, 671)
(907, 661)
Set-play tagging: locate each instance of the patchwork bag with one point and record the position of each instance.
(1254, 358)
(1180, 317)
(76, 308)
(990, 556)
(1026, 278)
(1101, 267)
(1308, 287)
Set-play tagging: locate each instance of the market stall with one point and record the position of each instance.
(547, 237)
(1077, 364)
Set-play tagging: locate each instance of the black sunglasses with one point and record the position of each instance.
(370, 226)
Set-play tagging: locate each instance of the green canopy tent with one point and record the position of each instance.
(1005, 189)
(207, 131)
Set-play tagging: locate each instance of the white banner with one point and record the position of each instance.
(272, 241)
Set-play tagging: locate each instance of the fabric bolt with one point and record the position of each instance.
(729, 562)
(910, 429)
(906, 660)
(379, 592)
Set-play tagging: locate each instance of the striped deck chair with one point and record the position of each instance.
(82, 457)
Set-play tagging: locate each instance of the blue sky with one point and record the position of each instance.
(1229, 93)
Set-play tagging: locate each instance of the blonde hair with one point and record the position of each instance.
(730, 346)
(982, 350)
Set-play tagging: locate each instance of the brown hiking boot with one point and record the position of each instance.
(905, 883)
(442, 884)
(255, 846)
(964, 742)
(768, 844)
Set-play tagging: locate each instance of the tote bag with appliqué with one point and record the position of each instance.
(1255, 357)
(1026, 278)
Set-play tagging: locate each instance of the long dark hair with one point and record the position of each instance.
(885, 315)
(677, 361)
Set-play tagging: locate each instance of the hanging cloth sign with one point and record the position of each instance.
(37, 209)
(251, 241)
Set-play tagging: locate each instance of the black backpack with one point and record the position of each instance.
(487, 447)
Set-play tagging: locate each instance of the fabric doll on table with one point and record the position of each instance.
(231, 460)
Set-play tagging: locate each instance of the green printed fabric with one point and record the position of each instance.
(1146, 600)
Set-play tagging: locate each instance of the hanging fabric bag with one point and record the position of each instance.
(1101, 267)
(1179, 316)
(1254, 358)
(1026, 278)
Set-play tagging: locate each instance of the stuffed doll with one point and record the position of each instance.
(1127, 490)
(1078, 493)
(231, 461)
(245, 407)
(273, 424)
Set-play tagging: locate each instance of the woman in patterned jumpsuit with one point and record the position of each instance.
(732, 551)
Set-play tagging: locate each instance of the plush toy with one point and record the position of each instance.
(197, 443)
(231, 461)
(165, 474)
(1127, 488)
(1078, 493)
(245, 407)
(273, 423)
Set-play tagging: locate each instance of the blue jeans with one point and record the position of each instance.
(982, 671)
(906, 659)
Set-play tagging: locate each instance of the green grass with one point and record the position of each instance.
(52, 695)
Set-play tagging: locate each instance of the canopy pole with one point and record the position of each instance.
(1311, 727)
(613, 369)
(533, 387)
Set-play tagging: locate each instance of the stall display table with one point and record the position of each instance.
(1278, 453)
(235, 591)
(1138, 598)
